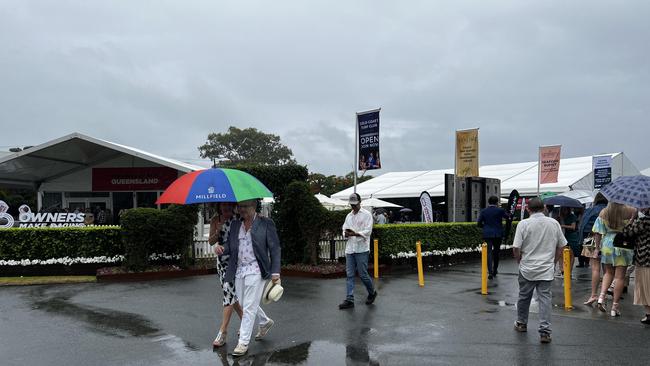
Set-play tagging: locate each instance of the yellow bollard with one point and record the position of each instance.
(418, 247)
(484, 269)
(376, 258)
(566, 253)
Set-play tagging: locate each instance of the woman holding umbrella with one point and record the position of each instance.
(623, 194)
(568, 221)
(219, 230)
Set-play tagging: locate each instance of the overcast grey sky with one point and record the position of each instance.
(161, 75)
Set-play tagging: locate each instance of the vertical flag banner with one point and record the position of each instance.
(368, 127)
(549, 163)
(467, 153)
(513, 199)
(602, 166)
(427, 209)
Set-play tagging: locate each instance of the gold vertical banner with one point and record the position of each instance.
(467, 153)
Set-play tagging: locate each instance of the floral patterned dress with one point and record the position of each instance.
(609, 254)
(229, 296)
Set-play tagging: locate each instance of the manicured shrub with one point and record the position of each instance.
(72, 242)
(300, 219)
(396, 238)
(333, 224)
(148, 230)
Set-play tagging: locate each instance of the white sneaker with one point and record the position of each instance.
(264, 329)
(240, 350)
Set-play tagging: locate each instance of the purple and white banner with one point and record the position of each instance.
(368, 127)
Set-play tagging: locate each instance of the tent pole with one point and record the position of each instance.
(539, 167)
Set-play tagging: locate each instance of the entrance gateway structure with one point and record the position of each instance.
(79, 172)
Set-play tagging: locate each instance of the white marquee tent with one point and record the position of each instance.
(646, 172)
(575, 173)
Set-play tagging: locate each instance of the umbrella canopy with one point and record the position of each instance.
(544, 195)
(374, 202)
(406, 210)
(583, 196)
(214, 185)
(563, 202)
(632, 191)
(332, 203)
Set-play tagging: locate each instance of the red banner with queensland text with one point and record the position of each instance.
(549, 162)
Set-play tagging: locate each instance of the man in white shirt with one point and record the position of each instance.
(537, 246)
(357, 228)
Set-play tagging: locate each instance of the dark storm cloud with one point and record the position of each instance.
(160, 76)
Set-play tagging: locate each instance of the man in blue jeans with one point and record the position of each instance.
(537, 246)
(357, 229)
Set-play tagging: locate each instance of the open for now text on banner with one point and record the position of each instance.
(368, 125)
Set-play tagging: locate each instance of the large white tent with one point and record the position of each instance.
(646, 172)
(575, 173)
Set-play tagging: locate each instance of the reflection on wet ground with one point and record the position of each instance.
(308, 353)
(104, 321)
(174, 322)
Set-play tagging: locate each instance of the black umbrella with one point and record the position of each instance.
(563, 201)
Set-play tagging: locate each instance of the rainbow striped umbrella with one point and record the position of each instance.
(214, 185)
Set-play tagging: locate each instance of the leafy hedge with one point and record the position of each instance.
(300, 219)
(333, 224)
(149, 230)
(396, 238)
(73, 242)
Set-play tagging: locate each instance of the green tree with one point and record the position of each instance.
(328, 185)
(247, 146)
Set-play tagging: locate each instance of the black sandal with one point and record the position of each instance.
(646, 320)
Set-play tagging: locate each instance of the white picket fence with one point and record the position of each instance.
(339, 248)
(202, 249)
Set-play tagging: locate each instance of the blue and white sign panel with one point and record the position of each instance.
(602, 166)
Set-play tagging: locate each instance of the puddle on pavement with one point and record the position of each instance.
(502, 303)
(309, 353)
(100, 320)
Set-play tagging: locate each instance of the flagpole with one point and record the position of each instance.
(539, 167)
(356, 150)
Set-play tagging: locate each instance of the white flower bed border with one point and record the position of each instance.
(438, 253)
(94, 260)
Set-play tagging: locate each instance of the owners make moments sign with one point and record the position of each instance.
(368, 126)
(29, 219)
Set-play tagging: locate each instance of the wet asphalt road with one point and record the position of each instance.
(447, 322)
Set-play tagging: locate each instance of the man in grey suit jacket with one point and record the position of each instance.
(254, 249)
